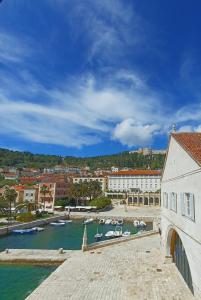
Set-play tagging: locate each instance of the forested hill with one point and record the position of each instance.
(124, 159)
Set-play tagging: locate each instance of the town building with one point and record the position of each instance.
(101, 180)
(28, 194)
(114, 169)
(134, 181)
(181, 207)
(147, 151)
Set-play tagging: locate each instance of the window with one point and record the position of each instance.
(173, 201)
(188, 205)
(165, 200)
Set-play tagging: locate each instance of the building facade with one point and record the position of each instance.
(181, 207)
(134, 181)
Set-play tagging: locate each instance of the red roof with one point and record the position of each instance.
(137, 172)
(191, 143)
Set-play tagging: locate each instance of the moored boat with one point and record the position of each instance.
(65, 221)
(126, 233)
(118, 231)
(108, 222)
(113, 222)
(102, 221)
(24, 231)
(143, 224)
(57, 224)
(110, 234)
(98, 235)
(136, 223)
(88, 221)
(120, 222)
(39, 228)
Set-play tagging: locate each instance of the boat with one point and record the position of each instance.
(110, 234)
(143, 224)
(57, 224)
(24, 231)
(108, 222)
(102, 221)
(88, 221)
(126, 233)
(136, 223)
(118, 231)
(65, 221)
(38, 228)
(120, 222)
(113, 222)
(98, 235)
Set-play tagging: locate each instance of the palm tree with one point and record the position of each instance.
(10, 196)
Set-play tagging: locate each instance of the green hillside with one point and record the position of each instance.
(123, 159)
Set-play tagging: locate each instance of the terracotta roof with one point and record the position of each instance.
(191, 143)
(137, 172)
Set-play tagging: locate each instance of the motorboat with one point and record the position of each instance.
(57, 224)
(113, 222)
(39, 228)
(102, 221)
(120, 222)
(88, 221)
(108, 222)
(98, 236)
(118, 231)
(65, 221)
(143, 224)
(136, 223)
(110, 234)
(126, 233)
(24, 231)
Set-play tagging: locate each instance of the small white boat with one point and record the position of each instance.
(136, 223)
(126, 233)
(88, 221)
(113, 222)
(57, 224)
(110, 234)
(38, 228)
(120, 222)
(108, 222)
(118, 231)
(102, 221)
(65, 221)
(143, 224)
(98, 236)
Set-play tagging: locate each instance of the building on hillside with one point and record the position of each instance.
(114, 169)
(10, 176)
(134, 181)
(57, 187)
(26, 194)
(62, 169)
(101, 180)
(181, 207)
(147, 151)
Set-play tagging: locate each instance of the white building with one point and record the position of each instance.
(114, 169)
(142, 180)
(181, 207)
(101, 180)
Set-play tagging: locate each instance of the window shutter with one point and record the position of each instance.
(182, 204)
(192, 206)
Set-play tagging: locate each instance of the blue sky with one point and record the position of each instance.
(93, 77)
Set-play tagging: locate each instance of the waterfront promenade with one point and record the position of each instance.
(131, 270)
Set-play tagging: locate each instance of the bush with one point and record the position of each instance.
(25, 217)
(100, 202)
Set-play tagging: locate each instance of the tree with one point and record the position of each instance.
(44, 190)
(10, 196)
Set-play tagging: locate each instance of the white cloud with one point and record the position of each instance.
(129, 133)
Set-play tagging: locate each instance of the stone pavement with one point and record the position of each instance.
(131, 270)
(35, 256)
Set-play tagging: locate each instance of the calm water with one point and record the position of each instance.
(55, 237)
(18, 281)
